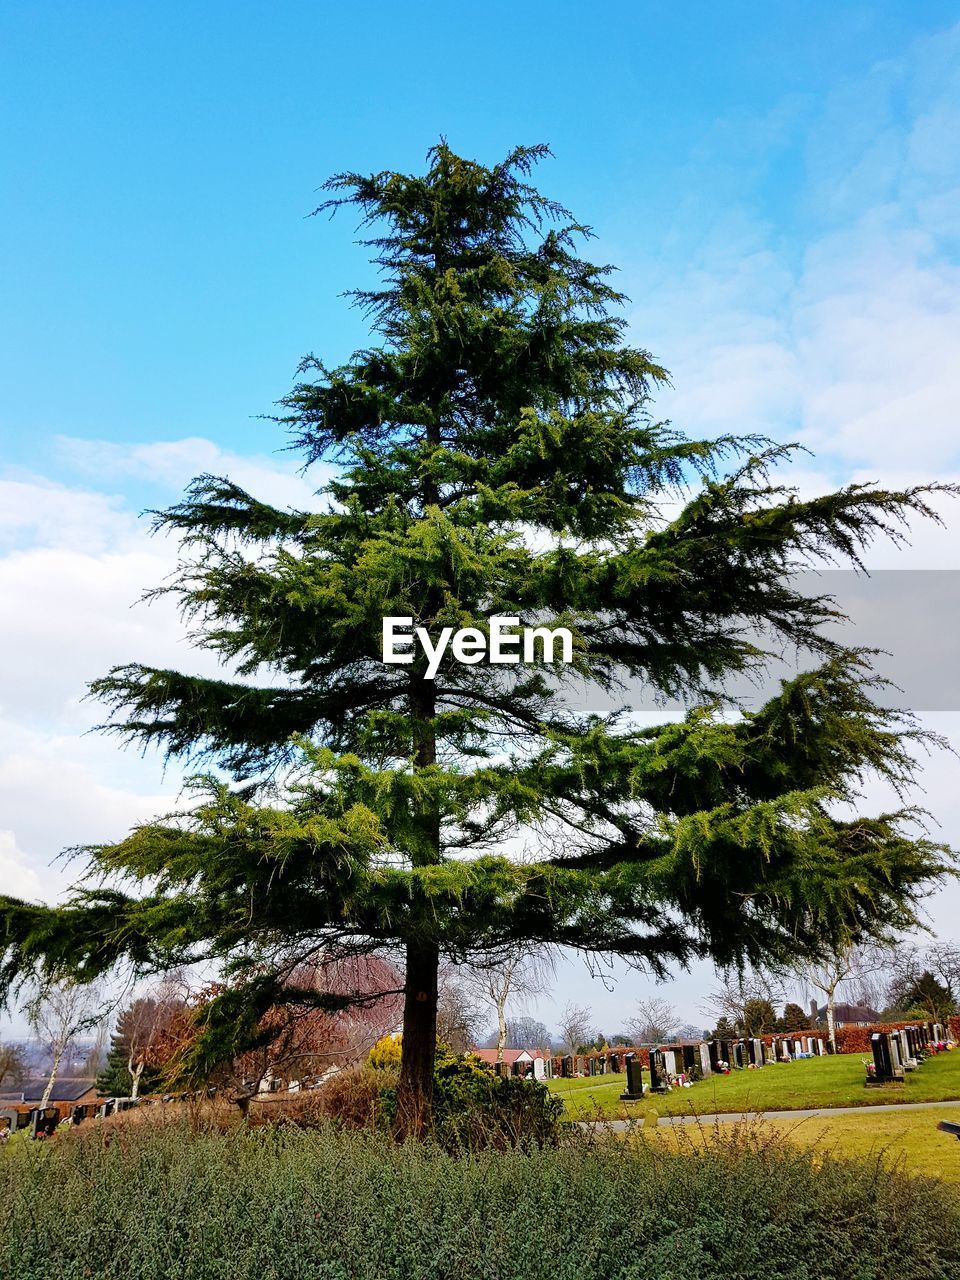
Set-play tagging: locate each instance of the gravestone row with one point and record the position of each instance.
(901, 1050)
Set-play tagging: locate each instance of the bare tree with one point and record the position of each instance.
(739, 1000)
(95, 1055)
(299, 1039)
(146, 1022)
(57, 1014)
(13, 1066)
(942, 958)
(926, 976)
(655, 1021)
(869, 988)
(853, 964)
(576, 1027)
(459, 1011)
(524, 1032)
(519, 974)
(689, 1031)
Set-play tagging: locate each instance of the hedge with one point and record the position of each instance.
(857, 1039)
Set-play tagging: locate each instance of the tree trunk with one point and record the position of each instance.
(831, 1031)
(135, 1074)
(418, 1054)
(501, 1028)
(54, 1070)
(418, 1050)
(501, 994)
(501, 1037)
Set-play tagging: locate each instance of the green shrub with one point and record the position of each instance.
(155, 1200)
(474, 1108)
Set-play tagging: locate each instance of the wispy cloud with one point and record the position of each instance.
(171, 464)
(838, 325)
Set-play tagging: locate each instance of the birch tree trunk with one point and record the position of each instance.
(831, 1031)
(54, 1070)
(502, 1021)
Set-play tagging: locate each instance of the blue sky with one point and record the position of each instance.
(159, 161)
(779, 185)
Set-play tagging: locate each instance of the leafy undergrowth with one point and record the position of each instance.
(163, 1198)
(836, 1081)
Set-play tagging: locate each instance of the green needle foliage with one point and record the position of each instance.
(495, 454)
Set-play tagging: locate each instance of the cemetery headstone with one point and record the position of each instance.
(896, 1058)
(904, 1049)
(886, 1068)
(658, 1072)
(634, 1087)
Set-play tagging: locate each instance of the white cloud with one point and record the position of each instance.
(77, 562)
(60, 789)
(70, 616)
(173, 463)
(853, 345)
(877, 324)
(17, 877)
(35, 511)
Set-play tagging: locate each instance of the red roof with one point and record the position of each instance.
(510, 1056)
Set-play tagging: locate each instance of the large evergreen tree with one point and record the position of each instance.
(495, 455)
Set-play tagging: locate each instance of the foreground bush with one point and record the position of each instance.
(161, 1200)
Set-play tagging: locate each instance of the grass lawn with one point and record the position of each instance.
(812, 1082)
(908, 1139)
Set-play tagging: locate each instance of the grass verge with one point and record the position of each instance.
(907, 1141)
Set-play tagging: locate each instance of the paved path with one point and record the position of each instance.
(728, 1117)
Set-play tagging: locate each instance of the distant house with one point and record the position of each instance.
(518, 1062)
(69, 1089)
(851, 1015)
